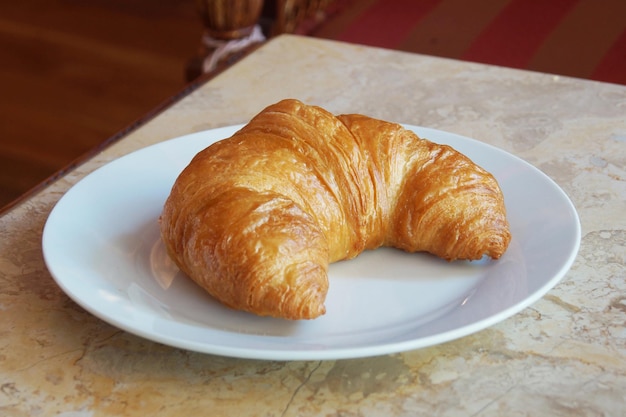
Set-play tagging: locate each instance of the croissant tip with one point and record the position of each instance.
(309, 314)
(314, 310)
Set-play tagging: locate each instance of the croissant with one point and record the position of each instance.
(256, 219)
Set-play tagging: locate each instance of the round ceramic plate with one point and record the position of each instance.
(101, 244)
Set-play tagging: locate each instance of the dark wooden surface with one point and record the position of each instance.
(75, 72)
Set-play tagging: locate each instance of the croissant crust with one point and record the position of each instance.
(256, 219)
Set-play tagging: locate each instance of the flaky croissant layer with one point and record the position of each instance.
(256, 219)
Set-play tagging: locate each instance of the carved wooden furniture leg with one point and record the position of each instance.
(230, 29)
(290, 14)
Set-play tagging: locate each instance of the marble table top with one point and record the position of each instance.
(565, 355)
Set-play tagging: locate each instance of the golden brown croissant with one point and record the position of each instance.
(255, 219)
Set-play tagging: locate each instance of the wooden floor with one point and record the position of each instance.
(74, 72)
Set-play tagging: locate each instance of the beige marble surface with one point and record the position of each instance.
(563, 356)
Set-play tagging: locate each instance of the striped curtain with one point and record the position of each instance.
(579, 38)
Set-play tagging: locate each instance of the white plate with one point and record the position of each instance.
(101, 244)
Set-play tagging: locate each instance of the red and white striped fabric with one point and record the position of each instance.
(579, 38)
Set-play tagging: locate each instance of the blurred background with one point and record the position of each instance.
(75, 73)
